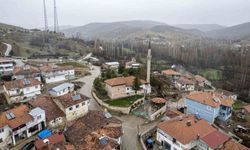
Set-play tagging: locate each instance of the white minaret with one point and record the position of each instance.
(149, 57)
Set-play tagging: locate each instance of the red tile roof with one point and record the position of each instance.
(22, 116)
(233, 145)
(23, 70)
(185, 80)
(159, 100)
(170, 72)
(20, 83)
(180, 130)
(199, 78)
(55, 138)
(209, 99)
(46, 103)
(215, 139)
(50, 68)
(67, 99)
(128, 81)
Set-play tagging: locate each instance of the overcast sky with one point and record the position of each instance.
(29, 13)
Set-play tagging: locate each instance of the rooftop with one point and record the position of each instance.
(170, 72)
(71, 99)
(27, 82)
(233, 145)
(186, 128)
(159, 100)
(185, 80)
(62, 87)
(112, 63)
(21, 116)
(128, 81)
(88, 129)
(211, 99)
(55, 138)
(47, 104)
(25, 70)
(215, 139)
(199, 78)
(51, 68)
(4, 59)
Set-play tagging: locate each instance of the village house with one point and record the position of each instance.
(54, 115)
(171, 74)
(209, 106)
(228, 93)
(132, 64)
(201, 81)
(52, 74)
(187, 132)
(20, 122)
(123, 87)
(54, 142)
(185, 84)
(22, 90)
(111, 65)
(26, 71)
(73, 105)
(233, 145)
(95, 131)
(62, 89)
(6, 66)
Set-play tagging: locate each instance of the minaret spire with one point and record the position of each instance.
(149, 57)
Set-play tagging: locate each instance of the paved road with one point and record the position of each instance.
(129, 122)
(8, 49)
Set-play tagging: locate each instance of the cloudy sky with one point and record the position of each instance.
(29, 13)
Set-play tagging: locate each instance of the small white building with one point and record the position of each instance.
(52, 74)
(73, 105)
(22, 90)
(185, 84)
(111, 65)
(132, 64)
(20, 122)
(6, 66)
(61, 89)
(26, 71)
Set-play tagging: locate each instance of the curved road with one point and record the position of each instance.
(8, 49)
(130, 123)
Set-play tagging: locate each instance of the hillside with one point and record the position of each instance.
(27, 43)
(201, 27)
(128, 30)
(233, 32)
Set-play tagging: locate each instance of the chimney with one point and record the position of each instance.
(189, 123)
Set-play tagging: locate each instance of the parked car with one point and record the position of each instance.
(29, 145)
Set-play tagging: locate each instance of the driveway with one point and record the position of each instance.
(129, 122)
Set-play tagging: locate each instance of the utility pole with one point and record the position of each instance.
(45, 17)
(56, 26)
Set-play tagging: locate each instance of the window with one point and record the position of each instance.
(209, 108)
(1, 130)
(83, 103)
(36, 87)
(77, 106)
(70, 108)
(27, 88)
(1, 140)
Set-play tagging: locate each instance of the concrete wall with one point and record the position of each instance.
(76, 112)
(158, 112)
(124, 110)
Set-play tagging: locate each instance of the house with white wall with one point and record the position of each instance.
(186, 132)
(22, 90)
(20, 122)
(52, 74)
(61, 89)
(54, 115)
(26, 71)
(185, 84)
(6, 66)
(73, 105)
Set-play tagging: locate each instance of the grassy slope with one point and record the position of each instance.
(124, 102)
